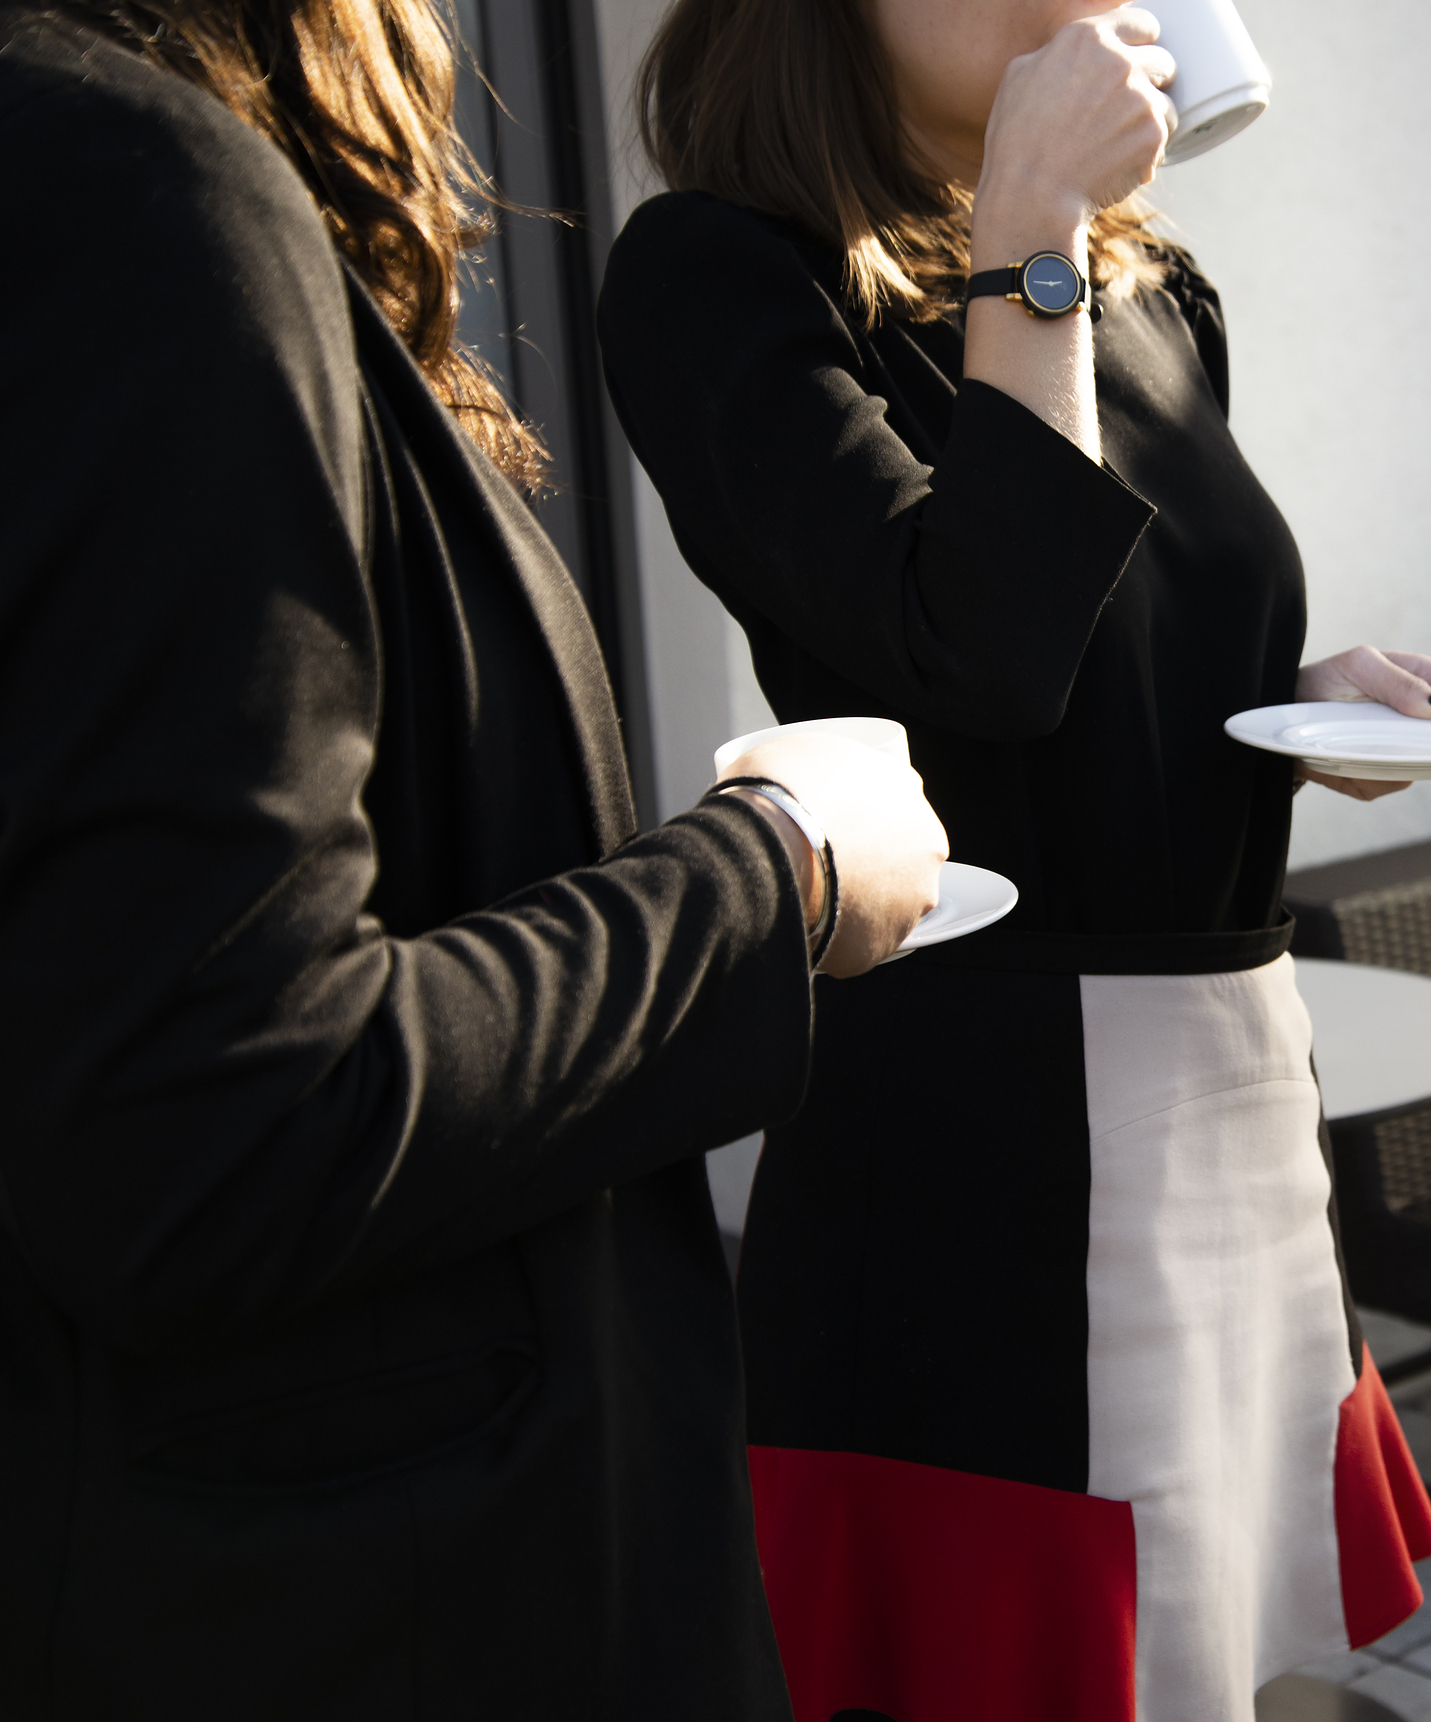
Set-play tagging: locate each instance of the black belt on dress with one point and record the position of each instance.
(1017, 951)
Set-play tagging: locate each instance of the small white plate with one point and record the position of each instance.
(969, 898)
(1341, 738)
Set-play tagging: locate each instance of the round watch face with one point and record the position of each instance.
(1051, 284)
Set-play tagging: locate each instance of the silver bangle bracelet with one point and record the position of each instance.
(818, 937)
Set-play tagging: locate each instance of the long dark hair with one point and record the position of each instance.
(788, 106)
(358, 94)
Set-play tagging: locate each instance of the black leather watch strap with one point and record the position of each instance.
(989, 282)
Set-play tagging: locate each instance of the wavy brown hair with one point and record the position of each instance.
(788, 106)
(358, 94)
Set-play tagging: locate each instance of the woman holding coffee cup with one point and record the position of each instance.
(369, 1349)
(1056, 1405)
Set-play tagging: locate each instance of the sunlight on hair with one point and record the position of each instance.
(787, 106)
(358, 94)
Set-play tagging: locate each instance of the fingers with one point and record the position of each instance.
(1166, 118)
(1358, 788)
(1132, 24)
(1401, 680)
(1157, 65)
(1081, 122)
(1138, 30)
(1417, 663)
(1379, 677)
(1405, 692)
(1170, 123)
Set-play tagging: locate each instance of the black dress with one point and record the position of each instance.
(367, 1351)
(1040, 1300)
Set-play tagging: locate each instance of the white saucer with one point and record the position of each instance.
(1341, 738)
(969, 898)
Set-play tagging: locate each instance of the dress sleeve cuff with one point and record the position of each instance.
(1021, 543)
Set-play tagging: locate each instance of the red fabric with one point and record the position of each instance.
(1383, 1516)
(928, 1594)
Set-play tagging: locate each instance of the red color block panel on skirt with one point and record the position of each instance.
(916, 1592)
(1383, 1516)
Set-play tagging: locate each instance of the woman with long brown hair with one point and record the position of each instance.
(367, 1349)
(1056, 1407)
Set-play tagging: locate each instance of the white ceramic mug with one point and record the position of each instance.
(1222, 84)
(884, 735)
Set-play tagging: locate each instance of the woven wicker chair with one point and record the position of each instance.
(1377, 909)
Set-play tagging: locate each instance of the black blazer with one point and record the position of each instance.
(366, 1349)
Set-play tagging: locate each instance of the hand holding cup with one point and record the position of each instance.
(1081, 123)
(887, 840)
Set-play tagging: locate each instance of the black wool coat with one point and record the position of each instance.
(366, 1348)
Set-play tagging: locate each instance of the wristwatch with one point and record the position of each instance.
(1046, 285)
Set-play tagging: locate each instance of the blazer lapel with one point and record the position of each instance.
(520, 546)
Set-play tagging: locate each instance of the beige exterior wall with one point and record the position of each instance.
(1316, 224)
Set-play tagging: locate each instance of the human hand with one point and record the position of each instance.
(1076, 126)
(887, 841)
(1401, 680)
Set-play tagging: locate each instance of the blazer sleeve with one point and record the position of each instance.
(227, 1091)
(964, 594)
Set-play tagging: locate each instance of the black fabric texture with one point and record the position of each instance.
(1318, 933)
(1016, 950)
(366, 1343)
(899, 543)
(912, 1277)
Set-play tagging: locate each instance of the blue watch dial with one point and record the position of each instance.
(1051, 284)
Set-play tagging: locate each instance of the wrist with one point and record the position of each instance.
(808, 867)
(1009, 222)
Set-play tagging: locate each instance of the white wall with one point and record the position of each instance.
(1316, 226)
